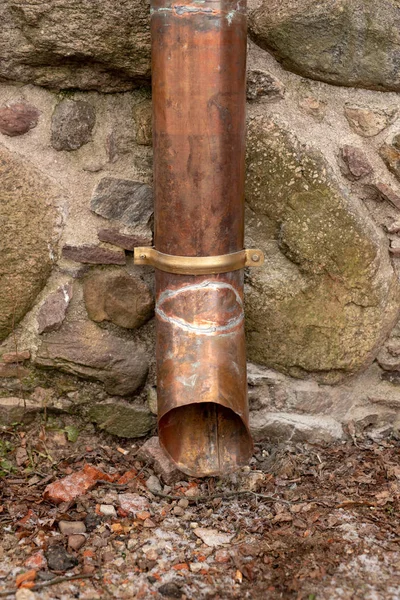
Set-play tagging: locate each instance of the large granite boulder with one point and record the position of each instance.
(85, 44)
(351, 42)
(327, 296)
(83, 349)
(27, 232)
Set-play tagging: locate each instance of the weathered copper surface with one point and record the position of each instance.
(198, 70)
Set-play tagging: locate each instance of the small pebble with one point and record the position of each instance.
(178, 511)
(152, 554)
(183, 503)
(194, 525)
(132, 544)
(222, 556)
(92, 521)
(149, 523)
(108, 510)
(76, 541)
(45, 575)
(192, 492)
(58, 558)
(107, 556)
(171, 590)
(153, 484)
(72, 527)
(196, 567)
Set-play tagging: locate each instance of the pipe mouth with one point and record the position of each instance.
(205, 439)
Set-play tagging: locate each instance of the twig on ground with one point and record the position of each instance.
(223, 495)
(39, 586)
(232, 494)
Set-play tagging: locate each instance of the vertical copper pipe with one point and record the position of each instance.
(199, 72)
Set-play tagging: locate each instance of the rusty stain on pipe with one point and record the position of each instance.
(199, 73)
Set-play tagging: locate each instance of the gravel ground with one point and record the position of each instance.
(88, 516)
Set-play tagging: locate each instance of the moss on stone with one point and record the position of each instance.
(327, 295)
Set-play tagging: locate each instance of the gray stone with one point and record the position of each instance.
(355, 164)
(17, 410)
(58, 558)
(18, 118)
(128, 203)
(261, 85)
(118, 297)
(95, 255)
(27, 236)
(367, 122)
(85, 350)
(351, 43)
(294, 427)
(53, 310)
(153, 484)
(329, 296)
(124, 419)
(80, 44)
(72, 124)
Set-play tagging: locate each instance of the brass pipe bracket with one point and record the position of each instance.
(198, 265)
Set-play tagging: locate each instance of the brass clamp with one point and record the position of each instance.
(198, 265)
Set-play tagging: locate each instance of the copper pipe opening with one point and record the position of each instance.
(204, 439)
(199, 77)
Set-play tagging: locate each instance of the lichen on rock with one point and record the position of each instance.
(28, 232)
(81, 44)
(328, 294)
(350, 43)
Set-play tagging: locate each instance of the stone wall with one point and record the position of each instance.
(322, 201)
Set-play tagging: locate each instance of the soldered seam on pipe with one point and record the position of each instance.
(182, 324)
(181, 10)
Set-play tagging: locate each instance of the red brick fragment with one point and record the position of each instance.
(75, 485)
(37, 561)
(126, 477)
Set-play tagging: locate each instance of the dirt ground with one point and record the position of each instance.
(302, 522)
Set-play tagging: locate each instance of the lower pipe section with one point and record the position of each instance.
(201, 365)
(198, 74)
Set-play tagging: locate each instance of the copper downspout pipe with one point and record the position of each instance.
(199, 73)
